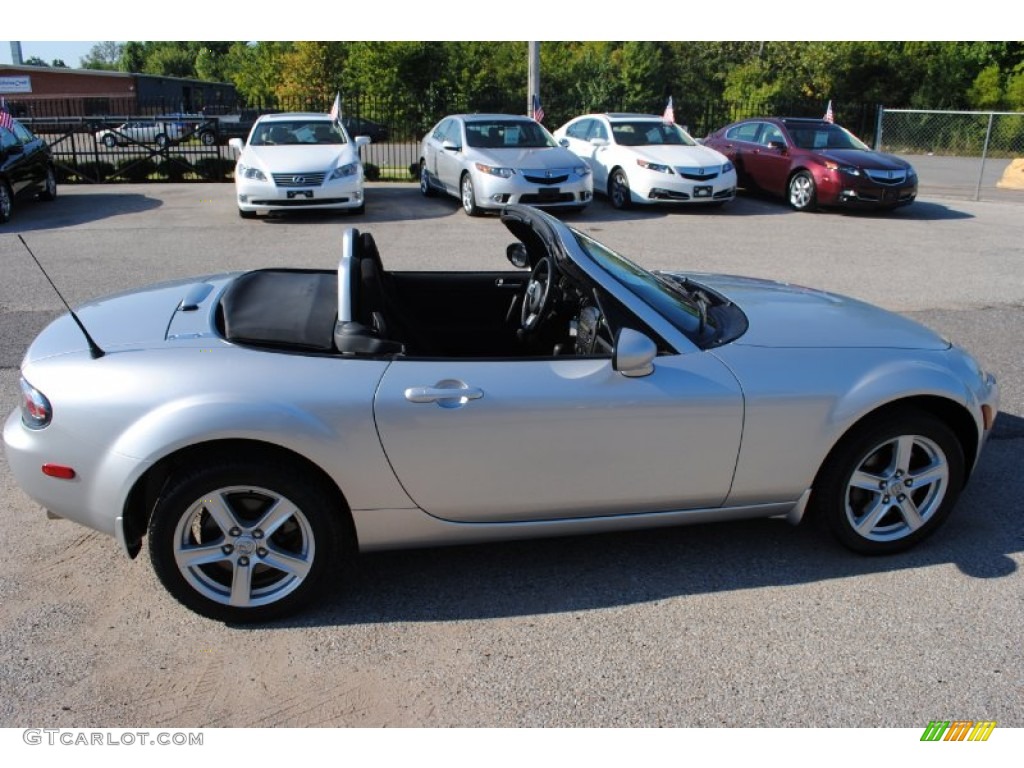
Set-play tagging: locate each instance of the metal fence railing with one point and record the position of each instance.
(959, 153)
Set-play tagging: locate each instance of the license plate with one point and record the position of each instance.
(548, 192)
(307, 193)
(702, 191)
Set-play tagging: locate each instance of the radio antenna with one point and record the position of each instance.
(94, 348)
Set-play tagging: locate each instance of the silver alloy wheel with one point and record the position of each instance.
(801, 191)
(618, 190)
(5, 203)
(425, 187)
(161, 140)
(50, 185)
(244, 546)
(897, 488)
(468, 195)
(110, 140)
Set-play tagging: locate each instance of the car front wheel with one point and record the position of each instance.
(802, 193)
(6, 202)
(618, 190)
(244, 541)
(49, 185)
(109, 141)
(890, 483)
(161, 140)
(207, 138)
(468, 196)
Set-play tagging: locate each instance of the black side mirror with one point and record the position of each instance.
(518, 255)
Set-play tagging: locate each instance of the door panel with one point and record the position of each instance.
(539, 439)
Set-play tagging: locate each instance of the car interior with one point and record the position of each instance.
(365, 310)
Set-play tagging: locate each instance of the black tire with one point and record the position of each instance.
(6, 202)
(49, 186)
(161, 140)
(208, 548)
(425, 188)
(618, 190)
(890, 483)
(110, 141)
(468, 196)
(801, 192)
(247, 214)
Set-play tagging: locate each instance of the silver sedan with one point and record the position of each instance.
(488, 161)
(257, 429)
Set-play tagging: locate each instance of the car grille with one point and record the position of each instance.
(887, 177)
(554, 176)
(299, 179)
(698, 174)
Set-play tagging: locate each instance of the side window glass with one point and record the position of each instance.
(579, 129)
(599, 131)
(7, 139)
(24, 134)
(744, 132)
(439, 132)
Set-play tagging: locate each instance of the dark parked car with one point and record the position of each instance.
(813, 162)
(360, 126)
(26, 168)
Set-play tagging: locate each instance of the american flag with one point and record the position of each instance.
(670, 113)
(335, 112)
(537, 110)
(6, 121)
(829, 116)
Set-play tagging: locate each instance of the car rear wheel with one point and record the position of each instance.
(161, 140)
(802, 193)
(618, 190)
(49, 185)
(109, 141)
(6, 202)
(207, 138)
(890, 483)
(468, 196)
(245, 540)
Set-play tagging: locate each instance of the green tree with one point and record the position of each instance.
(104, 56)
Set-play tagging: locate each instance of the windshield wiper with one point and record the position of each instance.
(695, 296)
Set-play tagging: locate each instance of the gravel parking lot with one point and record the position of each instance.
(746, 624)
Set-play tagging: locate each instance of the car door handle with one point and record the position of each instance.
(448, 394)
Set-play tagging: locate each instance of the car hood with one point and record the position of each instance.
(300, 157)
(676, 155)
(785, 315)
(541, 158)
(865, 158)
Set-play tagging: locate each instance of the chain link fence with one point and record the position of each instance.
(957, 154)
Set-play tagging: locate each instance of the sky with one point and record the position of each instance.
(71, 52)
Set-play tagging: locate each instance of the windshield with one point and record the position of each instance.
(298, 132)
(824, 137)
(642, 133)
(507, 134)
(665, 295)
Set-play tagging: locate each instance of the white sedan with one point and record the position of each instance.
(643, 159)
(140, 132)
(298, 161)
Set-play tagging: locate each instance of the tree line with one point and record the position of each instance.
(595, 75)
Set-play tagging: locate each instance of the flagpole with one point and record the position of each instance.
(533, 76)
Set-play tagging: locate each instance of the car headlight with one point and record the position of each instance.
(36, 410)
(494, 170)
(346, 170)
(249, 172)
(654, 166)
(727, 167)
(911, 173)
(849, 170)
(581, 170)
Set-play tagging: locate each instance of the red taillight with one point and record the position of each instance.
(59, 471)
(36, 411)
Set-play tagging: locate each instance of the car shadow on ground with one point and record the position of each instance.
(609, 570)
(73, 209)
(918, 211)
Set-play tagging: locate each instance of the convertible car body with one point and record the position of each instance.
(259, 428)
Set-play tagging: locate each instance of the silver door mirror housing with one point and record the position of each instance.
(634, 354)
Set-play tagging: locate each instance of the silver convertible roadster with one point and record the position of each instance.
(260, 428)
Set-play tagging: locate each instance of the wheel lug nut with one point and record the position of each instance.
(261, 552)
(243, 561)
(908, 482)
(257, 534)
(886, 499)
(227, 549)
(881, 484)
(899, 473)
(236, 531)
(902, 498)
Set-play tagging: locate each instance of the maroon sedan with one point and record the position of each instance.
(814, 163)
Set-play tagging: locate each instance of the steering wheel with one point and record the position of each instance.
(538, 296)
